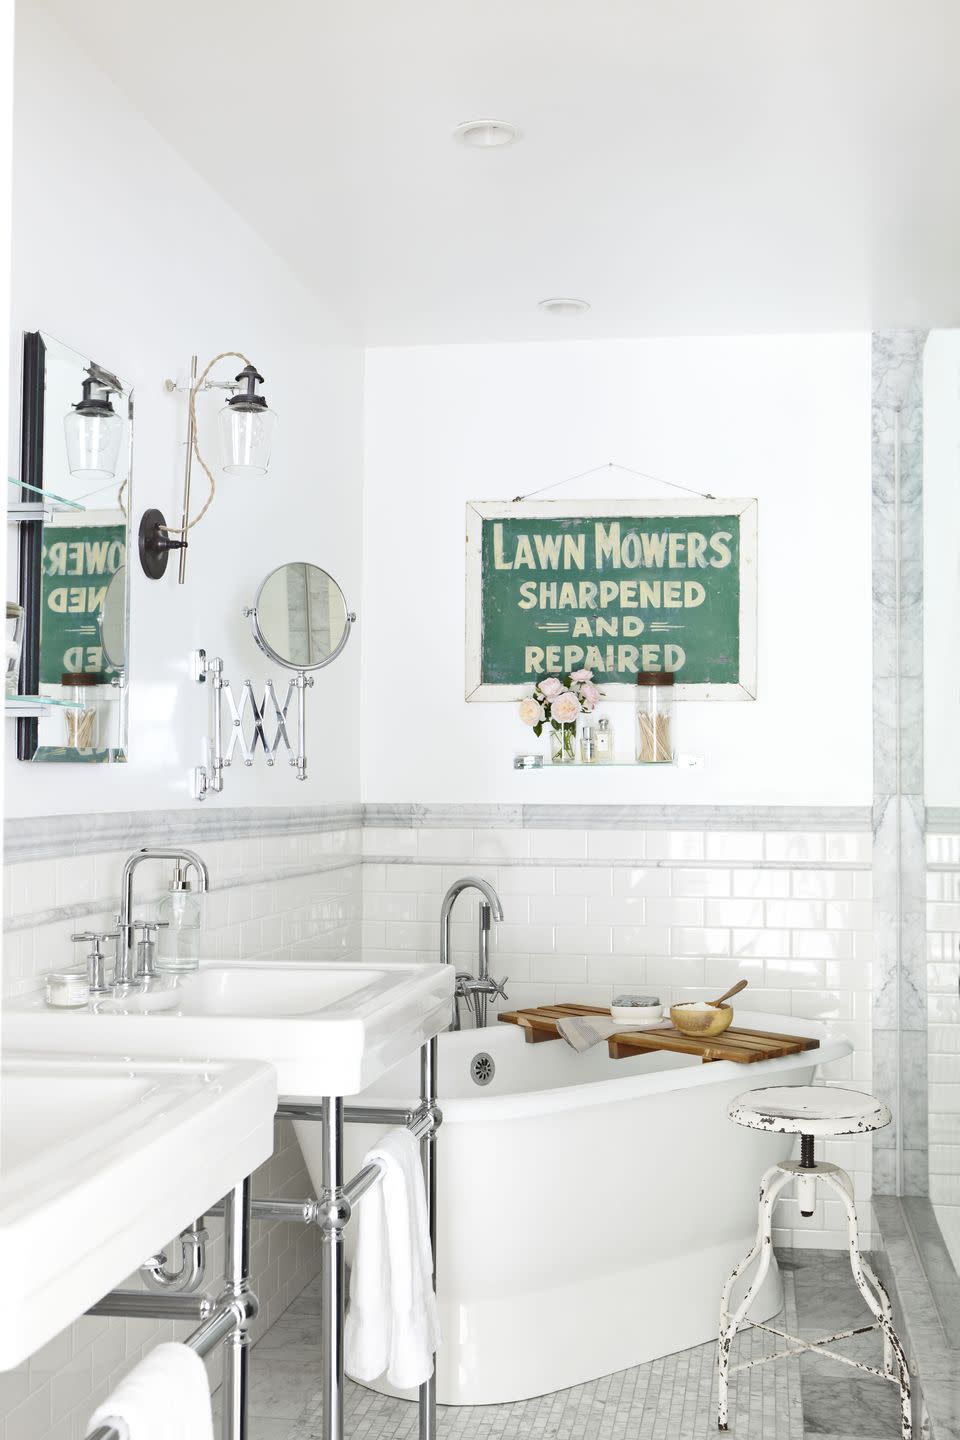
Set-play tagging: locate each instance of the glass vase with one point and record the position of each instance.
(563, 744)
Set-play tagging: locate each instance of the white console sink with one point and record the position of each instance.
(326, 1028)
(102, 1162)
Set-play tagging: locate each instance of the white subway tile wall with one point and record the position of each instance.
(685, 913)
(298, 894)
(589, 912)
(943, 1032)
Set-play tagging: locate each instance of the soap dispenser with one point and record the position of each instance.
(179, 912)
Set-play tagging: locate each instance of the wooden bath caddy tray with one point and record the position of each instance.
(742, 1046)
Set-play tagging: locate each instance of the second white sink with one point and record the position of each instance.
(327, 1028)
(101, 1163)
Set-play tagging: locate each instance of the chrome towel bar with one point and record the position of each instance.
(219, 1325)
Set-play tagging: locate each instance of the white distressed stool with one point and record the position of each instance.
(812, 1112)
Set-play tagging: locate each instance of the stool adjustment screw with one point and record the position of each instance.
(807, 1188)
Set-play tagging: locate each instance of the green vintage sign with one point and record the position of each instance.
(78, 564)
(615, 588)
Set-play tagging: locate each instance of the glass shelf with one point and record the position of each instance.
(45, 504)
(598, 765)
(33, 706)
(18, 707)
(680, 762)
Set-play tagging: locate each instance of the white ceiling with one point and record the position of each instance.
(687, 166)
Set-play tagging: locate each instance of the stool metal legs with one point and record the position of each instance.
(894, 1359)
(770, 1186)
(895, 1367)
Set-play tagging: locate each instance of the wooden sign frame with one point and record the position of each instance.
(745, 688)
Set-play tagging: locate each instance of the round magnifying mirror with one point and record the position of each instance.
(112, 621)
(301, 618)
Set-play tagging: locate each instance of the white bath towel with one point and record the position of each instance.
(392, 1320)
(165, 1397)
(583, 1031)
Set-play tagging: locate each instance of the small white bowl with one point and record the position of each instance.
(637, 1014)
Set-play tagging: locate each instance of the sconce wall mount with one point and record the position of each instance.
(154, 543)
(246, 434)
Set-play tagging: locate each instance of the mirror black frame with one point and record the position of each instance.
(31, 540)
(31, 533)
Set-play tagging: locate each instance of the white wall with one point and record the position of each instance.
(125, 254)
(785, 419)
(941, 566)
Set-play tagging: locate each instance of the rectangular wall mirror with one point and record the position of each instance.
(76, 453)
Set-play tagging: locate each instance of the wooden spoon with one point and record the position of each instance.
(734, 990)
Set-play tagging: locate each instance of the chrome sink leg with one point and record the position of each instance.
(428, 1158)
(334, 1216)
(236, 1274)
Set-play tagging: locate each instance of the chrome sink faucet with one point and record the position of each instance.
(477, 990)
(126, 969)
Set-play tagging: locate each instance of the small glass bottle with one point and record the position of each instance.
(603, 741)
(588, 744)
(178, 945)
(655, 743)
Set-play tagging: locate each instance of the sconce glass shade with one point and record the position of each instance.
(93, 431)
(246, 438)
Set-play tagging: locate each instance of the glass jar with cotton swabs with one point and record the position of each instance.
(655, 729)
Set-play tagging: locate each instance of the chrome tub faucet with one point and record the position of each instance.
(481, 989)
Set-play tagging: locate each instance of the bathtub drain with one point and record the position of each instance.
(482, 1068)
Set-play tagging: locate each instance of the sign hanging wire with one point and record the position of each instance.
(612, 465)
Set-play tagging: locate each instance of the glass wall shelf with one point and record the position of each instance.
(598, 765)
(45, 505)
(19, 707)
(679, 762)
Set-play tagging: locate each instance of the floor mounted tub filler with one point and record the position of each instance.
(589, 1210)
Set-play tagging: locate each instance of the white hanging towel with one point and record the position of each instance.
(392, 1321)
(165, 1397)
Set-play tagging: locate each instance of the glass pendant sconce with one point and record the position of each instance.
(246, 428)
(245, 424)
(93, 431)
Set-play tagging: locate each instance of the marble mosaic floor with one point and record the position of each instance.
(669, 1399)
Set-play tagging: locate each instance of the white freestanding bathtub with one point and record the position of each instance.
(588, 1209)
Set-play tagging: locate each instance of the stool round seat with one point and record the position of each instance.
(809, 1110)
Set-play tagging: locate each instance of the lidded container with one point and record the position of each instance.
(655, 718)
(66, 989)
(83, 720)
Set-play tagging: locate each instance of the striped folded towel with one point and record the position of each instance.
(583, 1031)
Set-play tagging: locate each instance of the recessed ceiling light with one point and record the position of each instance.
(486, 134)
(563, 305)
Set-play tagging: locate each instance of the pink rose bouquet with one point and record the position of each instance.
(559, 701)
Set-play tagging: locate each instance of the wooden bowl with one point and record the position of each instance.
(702, 1024)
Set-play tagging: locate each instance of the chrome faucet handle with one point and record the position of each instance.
(96, 979)
(498, 987)
(147, 947)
